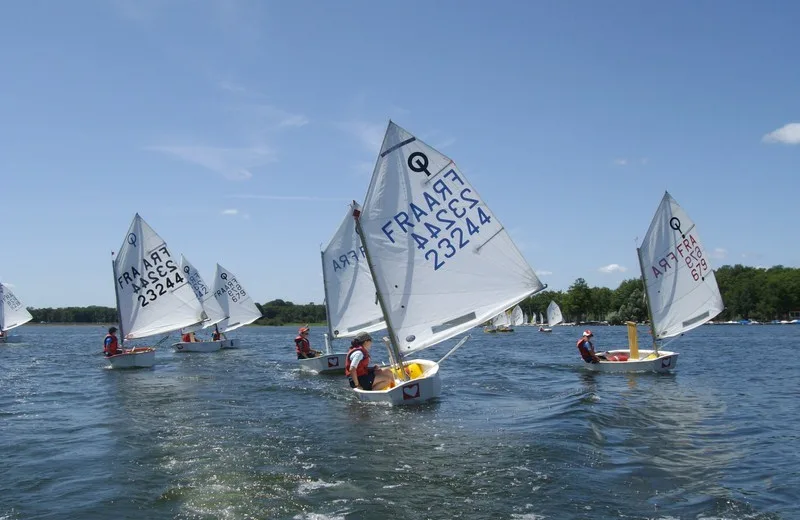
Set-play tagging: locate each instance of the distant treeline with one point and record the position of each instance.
(276, 312)
(748, 292)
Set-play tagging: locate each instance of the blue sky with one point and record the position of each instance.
(240, 129)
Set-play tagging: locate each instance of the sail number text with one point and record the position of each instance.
(687, 251)
(234, 290)
(443, 222)
(351, 257)
(11, 300)
(157, 275)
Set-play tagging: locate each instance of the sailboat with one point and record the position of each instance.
(517, 318)
(236, 303)
(211, 307)
(153, 296)
(441, 261)
(350, 303)
(554, 317)
(680, 288)
(12, 314)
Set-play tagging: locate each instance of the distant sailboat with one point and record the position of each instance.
(680, 288)
(153, 296)
(210, 305)
(236, 303)
(441, 261)
(517, 317)
(12, 314)
(350, 301)
(553, 317)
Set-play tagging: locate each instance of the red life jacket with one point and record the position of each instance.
(362, 368)
(301, 345)
(112, 347)
(186, 338)
(586, 354)
(215, 336)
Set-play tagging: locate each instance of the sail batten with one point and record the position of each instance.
(682, 291)
(441, 256)
(154, 296)
(349, 289)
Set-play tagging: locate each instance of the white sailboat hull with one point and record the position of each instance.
(546, 330)
(665, 362)
(427, 386)
(137, 357)
(200, 346)
(230, 343)
(324, 364)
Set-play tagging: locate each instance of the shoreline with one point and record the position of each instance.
(109, 324)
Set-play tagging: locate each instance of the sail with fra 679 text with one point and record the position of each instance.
(234, 300)
(682, 290)
(12, 311)
(443, 262)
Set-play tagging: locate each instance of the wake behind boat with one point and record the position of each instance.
(153, 297)
(680, 288)
(441, 261)
(12, 315)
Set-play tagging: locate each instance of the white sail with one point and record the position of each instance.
(152, 293)
(517, 318)
(204, 294)
(554, 314)
(501, 320)
(350, 297)
(12, 311)
(442, 261)
(681, 287)
(234, 300)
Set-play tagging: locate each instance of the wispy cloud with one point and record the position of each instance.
(624, 161)
(787, 134)
(719, 253)
(288, 197)
(232, 163)
(369, 134)
(230, 86)
(544, 273)
(275, 117)
(621, 162)
(752, 255)
(229, 212)
(612, 268)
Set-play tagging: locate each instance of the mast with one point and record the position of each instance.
(327, 309)
(647, 300)
(116, 297)
(394, 351)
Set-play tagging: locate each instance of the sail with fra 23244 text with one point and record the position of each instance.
(443, 261)
(153, 295)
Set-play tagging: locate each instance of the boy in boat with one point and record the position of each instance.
(303, 346)
(188, 337)
(216, 335)
(110, 344)
(366, 377)
(586, 348)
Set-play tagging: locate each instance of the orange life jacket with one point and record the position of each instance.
(585, 351)
(301, 345)
(362, 368)
(112, 346)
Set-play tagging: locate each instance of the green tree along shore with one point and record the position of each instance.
(748, 292)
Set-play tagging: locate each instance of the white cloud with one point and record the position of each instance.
(544, 273)
(613, 268)
(787, 134)
(230, 212)
(621, 162)
(719, 253)
(232, 163)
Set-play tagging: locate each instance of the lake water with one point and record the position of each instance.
(522, 431)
